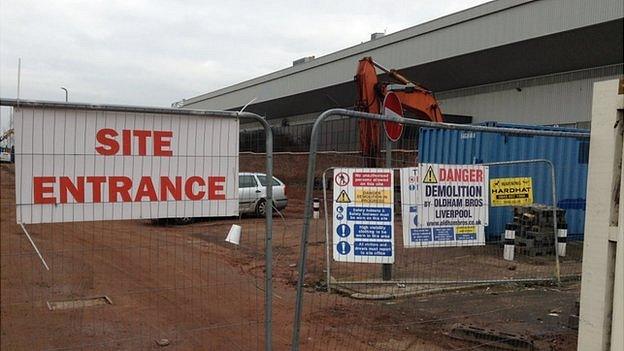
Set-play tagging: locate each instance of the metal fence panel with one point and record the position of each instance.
(146, 281)
(430, 291)
(569, 155)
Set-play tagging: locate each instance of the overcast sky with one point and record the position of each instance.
(157, 52)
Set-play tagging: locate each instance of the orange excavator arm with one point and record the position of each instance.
(414, 97)
(370, 94)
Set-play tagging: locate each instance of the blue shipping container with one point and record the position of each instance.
(569, 156)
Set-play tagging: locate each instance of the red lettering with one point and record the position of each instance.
(39, 190)
(461, 175)
(96, 187)
(216, 184)
(167, 187)
(120, 189)
(188, 188)
(121, 186)
(77, 191)
(127, 142)
(106, 137)
(160, 143)
(142, 135)
(146, 188)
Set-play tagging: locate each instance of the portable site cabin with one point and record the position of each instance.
(569, 155)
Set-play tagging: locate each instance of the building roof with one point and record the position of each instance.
(496, 41)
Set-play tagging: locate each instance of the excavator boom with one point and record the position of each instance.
(414, 97)
(370, 94)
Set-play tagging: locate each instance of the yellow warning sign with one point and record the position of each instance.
(466, 229)
(372, 196)
(343, 198)
(511, 191)
(430, 176)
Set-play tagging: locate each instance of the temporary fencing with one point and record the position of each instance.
(93, 256)
(364, 260)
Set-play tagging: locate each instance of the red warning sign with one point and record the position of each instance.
(392, 107)
(371, 179)
(342, 179)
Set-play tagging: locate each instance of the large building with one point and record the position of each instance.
(518, 61)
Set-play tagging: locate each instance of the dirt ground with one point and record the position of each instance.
(184, 288)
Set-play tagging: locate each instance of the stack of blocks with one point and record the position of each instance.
(534, 232)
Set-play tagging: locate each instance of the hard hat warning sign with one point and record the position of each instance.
(511, 191)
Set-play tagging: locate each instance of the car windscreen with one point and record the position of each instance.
(263, 181)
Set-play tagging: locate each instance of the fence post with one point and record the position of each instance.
(386, 268)
(327, 241)
(562, 238)
(268, 239)
(268, 256)
(317, 208)
(307, 213)
(509, 242)
(554, 199)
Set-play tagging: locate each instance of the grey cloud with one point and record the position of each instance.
(157, 52)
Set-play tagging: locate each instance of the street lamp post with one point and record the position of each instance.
(66, 94)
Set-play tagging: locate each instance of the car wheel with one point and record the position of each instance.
(261, 208)
(183, 220)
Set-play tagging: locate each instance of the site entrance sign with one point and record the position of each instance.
(363, 215)
(84, 165)
(446, 206)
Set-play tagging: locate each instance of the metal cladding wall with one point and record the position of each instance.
(569, 155)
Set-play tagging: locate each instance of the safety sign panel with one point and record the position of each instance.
(423, 226)
(511, 191)
(363, 217)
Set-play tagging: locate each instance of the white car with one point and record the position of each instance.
(252, 193)
(252, 196)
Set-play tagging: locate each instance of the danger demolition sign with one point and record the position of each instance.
(363, 216)
(446, 206)
(454, 194)
(82, 165)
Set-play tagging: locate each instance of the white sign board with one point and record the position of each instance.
(363, 215)
(85, 165)
(446, 207)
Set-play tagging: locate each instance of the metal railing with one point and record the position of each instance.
(311, 172)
